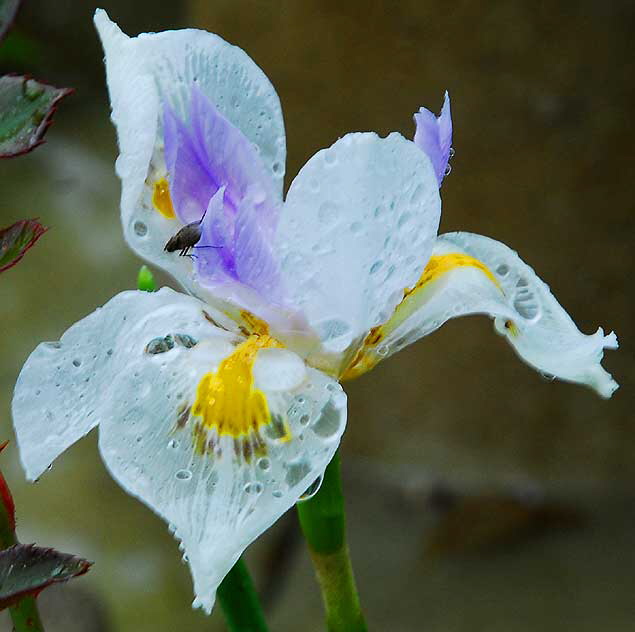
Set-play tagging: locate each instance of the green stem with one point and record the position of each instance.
(239, 601)
(25, 616)
(323, 523)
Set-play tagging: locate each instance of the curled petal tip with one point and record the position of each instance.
(433, 136)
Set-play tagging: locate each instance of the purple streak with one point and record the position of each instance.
(434, 136)
(216, 176)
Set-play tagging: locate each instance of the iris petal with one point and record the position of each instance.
(217, 499)
(434, 136)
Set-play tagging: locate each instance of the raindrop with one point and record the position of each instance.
(183, 475)
(264, 463)
(417, 194)
(140, 229)
(376, 266)
(276, 493)
(502, 269)
(448, 170)
(327, 213)
(404, 218)
(330, 157)
(382, 351)
(77, 362)
(304, 420)
(173, 444)
(312, 489)
(254, 488)
(452, 152)
(276, 167)
(296, 471)
(328, 423)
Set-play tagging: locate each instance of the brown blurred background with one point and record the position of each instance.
(480, 496)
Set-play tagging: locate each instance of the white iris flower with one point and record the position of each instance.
(218, 409)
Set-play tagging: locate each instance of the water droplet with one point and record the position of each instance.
(140, 229)
(77, 362)
(276, 493)
(254, 487)
(502, 269)
(376, 266)
(276, 167)
(312, 489)
(296, 471)
(448, 169)
(264, 463)
(355, 227)
(417, 194)
(173, 444)
(327, 213)
(330, 157)
(382, 351)
(183, 475)
(327, 424)
(304, 420)
(404, 218)
(452, 152)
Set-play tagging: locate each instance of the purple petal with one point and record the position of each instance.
(231, 159)
(434, 136)
(256, 265)
(215, 261)
(190, 184)
(217, 176)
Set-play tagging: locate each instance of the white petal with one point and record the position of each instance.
(525, 312)
(144, 70)
(216, 504)
(359, 221)
(63, 386)
(141, 359)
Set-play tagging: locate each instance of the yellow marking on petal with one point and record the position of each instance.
(367, 357)
(438, 265)
(161, 199)
(253, 324)
(229, 404)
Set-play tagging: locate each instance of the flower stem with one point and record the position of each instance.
(323, 523)
(239, 601)
(25, 616)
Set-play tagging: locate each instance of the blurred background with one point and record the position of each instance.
(480, 496)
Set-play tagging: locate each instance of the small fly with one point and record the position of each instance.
(186, 239)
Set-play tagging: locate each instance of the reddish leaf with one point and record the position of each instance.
(16, 239)
(26, 569)
(26, 111)
(8, 9)
(7, 510)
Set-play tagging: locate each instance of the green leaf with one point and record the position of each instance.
(26, 111)
(16, 239)
(8, 9)
(26, 569)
